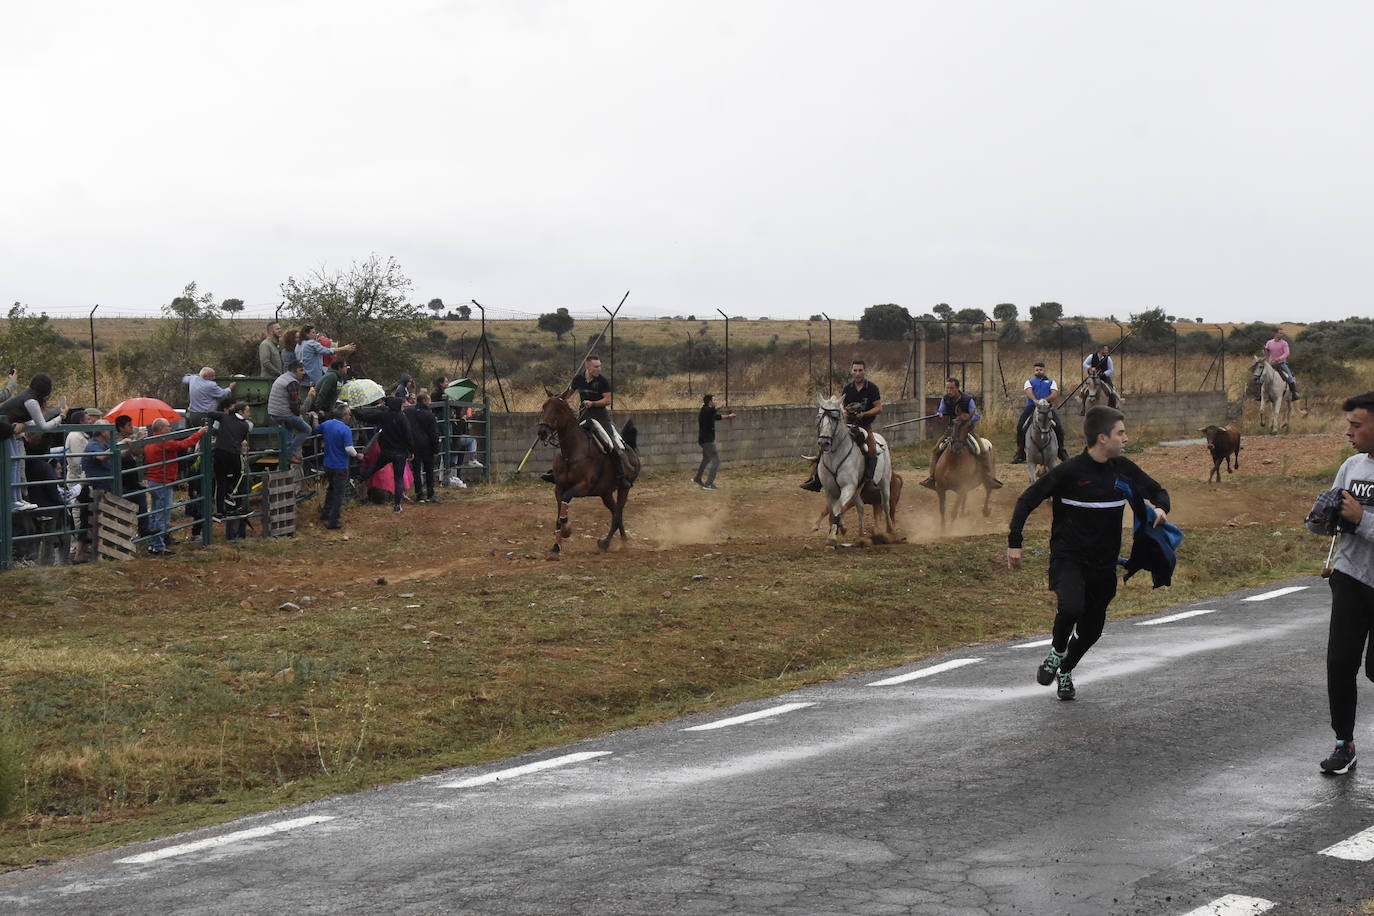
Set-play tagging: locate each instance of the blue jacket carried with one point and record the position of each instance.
(1152, 547)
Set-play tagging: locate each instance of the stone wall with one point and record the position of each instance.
(668, 438)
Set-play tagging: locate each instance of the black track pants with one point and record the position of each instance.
(1352, 615)
(1084, 593)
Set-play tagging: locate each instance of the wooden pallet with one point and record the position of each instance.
(116, 526)
(279, 506)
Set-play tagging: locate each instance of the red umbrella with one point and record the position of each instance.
(143, 411)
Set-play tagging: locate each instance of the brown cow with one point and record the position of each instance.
(1223, 444)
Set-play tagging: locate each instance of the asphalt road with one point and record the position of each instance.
(1184, 778)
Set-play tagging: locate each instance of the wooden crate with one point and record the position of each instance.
(279, 505)
(115, 520)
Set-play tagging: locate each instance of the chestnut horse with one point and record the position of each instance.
(583, 469)
(959, 470)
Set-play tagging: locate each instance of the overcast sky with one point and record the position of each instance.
(768, 158)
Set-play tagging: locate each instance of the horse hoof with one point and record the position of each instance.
(567, 531)
(879, 538)
(553, 555)
(832, 543)
(603, 546)
(865, 542)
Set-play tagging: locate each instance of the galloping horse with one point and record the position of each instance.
(1274, 393)
(841, 471)
(959, 471)
(583, 469)
(1042, 442)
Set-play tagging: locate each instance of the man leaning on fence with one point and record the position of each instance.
(284, 408)
(163, 458)
(204, 395)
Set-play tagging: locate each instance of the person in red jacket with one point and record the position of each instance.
(162, 458)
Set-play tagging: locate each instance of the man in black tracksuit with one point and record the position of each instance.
(1085, 537)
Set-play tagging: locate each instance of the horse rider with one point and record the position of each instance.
(862, 402)
(1038, 386)
(1100, 364)
(594, 389)
(1277, 352)
(952, 405)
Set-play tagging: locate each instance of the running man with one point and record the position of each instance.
(1085, 537)
(1352, 581)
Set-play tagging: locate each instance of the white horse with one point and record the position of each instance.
(1095, 390)
(1042, 442)
(1275, 394)
(841, 470)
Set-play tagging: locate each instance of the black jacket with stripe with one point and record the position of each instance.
(1087, 508)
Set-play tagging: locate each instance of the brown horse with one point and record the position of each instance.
(583, 469)
(960, 471)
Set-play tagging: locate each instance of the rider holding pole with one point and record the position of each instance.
(594, 389)
(862, 402)
(1038, 386)
(1100, 365)
(952, 405)
(1276, 350)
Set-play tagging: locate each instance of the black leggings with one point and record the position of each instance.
(1084, 593)
(1352, 616)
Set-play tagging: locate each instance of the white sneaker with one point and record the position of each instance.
(474, 463)
(23, 505)
(457, 482)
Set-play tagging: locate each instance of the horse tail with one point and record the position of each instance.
(630, 433)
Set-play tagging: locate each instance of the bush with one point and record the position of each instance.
(1250, 338)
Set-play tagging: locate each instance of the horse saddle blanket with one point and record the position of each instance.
(978, 445)
(857, 434)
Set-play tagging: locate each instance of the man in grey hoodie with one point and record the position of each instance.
(1352, 581)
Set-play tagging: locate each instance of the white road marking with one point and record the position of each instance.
(224, 840)
(925, 672)
(1276, 593)
(1035, 645)
(1182, 615)
(749, 717)
(1359, 848)
(1233, 905)
(522, 770)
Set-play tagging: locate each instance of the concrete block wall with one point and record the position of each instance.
(668, 438)
(1182, 412)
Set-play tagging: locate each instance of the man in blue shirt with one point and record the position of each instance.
(1038, 386)
(952, 404)
(312, 353)
(338, 449)
(204, 395)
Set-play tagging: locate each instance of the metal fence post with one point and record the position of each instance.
(6, 503)
(486, 440)
(207, 489)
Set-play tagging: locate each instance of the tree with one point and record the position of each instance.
(1153, 331)
(944, 312)
(436, 306)
(367, 304)
(971, 316)
(31, 344)
(1004, 312)
(232, 306)
(884, 322)
(464, 312)
(191, 334)
(559, 322)
(816, 318)
(1046, 313)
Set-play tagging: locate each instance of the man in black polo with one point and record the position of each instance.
(706, 438)
(862, 402)
(594, 390)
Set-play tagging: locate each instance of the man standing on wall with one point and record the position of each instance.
(706, 438)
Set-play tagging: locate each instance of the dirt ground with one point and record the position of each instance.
(490, 530)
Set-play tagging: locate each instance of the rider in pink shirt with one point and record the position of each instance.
(1277, 351)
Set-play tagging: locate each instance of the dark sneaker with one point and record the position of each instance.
(814, 485)
(1066, 691)
(1342, 759)
(396, 510)
(547, 477)
(1044, 675)
(1018, 458)
(709, 486)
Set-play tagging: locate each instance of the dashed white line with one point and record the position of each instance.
(1276, 593)
(1182, 615)
(184, 848)
(925, 672)
(749, 717)
(522, 770)
(1359, 848)
(1233, 905)
(1039, 643)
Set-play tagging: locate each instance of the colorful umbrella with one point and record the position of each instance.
(359, 392)
(143, 411)
(461, 390)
